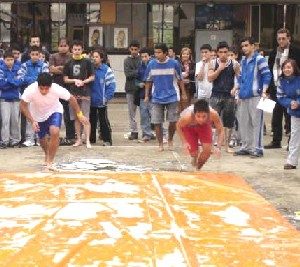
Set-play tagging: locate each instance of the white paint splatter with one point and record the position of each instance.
(140, 231)
(59, 256)
(176, 188)
(277, 229)
(12, 186)
(202, 259)
(112, 186)
(25, 211)
(269, 262)
(111, 231)
(191, 216)
(233, 215)
(114, 262)
(80, 211)
(126, 210)
(105, 241)
(77, 240)
(20, 239)
(174, 259)
(250, 232)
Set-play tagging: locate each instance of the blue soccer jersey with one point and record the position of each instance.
(164, 76)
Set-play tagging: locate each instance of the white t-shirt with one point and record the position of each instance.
(204, 88)
(43, 106)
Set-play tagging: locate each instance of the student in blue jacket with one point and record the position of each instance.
(102, 91)
(288, 95)
(10, 99)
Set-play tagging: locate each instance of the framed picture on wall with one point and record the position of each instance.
(95, 36)
(121, 38)
(78, 33)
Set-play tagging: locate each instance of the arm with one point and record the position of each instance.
(89, 79)
(129, 72)
(54, 69)
(74, 105)
(219, 127)
(182, 122)
(148, 86)
(21, 75)
(110, 85)
(266, 75)
(24, 107)
(180, 81)
(214, 74)
(282, 98)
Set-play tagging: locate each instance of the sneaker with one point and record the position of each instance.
(3, 146)
(15, 144)
(232, 143)
(289, 167)
(106, 144)
(28, 143)
(273, 145)
(256, 154)
(133, 136)
(241, 152)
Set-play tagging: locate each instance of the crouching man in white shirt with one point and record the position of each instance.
(40, 104)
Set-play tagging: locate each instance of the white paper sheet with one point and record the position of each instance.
(266, 105)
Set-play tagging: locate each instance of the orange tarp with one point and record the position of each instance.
(140, 219)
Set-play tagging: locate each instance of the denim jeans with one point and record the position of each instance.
(145, 113)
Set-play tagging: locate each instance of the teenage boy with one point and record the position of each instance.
(194, 125)
(27, 75)
(102, 91)
(45, 113)
(204, 87)
(253, 83)
(17, 54)
(78, 75)
(10, 98)
(131, 64)
(57, 62)
(34, 41)
(145, 108)
(222, 73)
(163, 75)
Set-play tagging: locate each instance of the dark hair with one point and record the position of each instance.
(102, 54)
(63, 39)
(145, 50)
(201, 106)
(162, 46)
(8, 54)
(248, 39)
(77, 43)
(134, 43)
(233, 49)
(222, 45)
(294, 65)
(284, 30)
(34, 49)
(34, 36)
(206, 47)
(44, 79)
(15, 46)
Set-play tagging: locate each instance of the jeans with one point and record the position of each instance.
(145, 113)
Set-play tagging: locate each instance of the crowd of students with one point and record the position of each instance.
(163, 86)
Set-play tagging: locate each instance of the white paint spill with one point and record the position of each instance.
(114, 262)
(112, 186)
(26, 211)
(105, 241)
(176, 188)
(250, 232)
(202, 259)
(140, 231)
(20, 239)
(233, 215)
(277, 229)
(139, 264)
(126, 210)
(69, 223)
(111, 231)
(59, 256)
(174, 259)
(191, 216)
(77, 240)
(12, 186)
(269, 262)
(80, 211)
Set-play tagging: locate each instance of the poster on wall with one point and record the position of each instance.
(120, 38)
(95, 36)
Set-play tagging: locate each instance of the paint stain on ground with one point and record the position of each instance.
(137, 219)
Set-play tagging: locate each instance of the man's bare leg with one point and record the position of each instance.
(159, 136)
(53, 144)
(204, 155)
(78, 133)
(171, 131)
(87, 132)
(45, 145)
(228, 132)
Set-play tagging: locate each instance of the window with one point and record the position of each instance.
(5, 22)
(58, 23)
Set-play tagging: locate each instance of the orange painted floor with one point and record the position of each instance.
(140, 219)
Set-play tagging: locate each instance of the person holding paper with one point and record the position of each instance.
(288, 95)
(253, 83)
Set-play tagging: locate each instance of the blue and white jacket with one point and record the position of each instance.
(103, 87)
(29, 71)
(288, 90)
(254, 77)
(9, 84)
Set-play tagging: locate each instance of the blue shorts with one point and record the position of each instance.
(54, 120)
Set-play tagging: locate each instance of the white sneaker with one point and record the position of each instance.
(28, 143)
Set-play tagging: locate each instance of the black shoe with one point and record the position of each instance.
(256, 154)
(273, 145)
(133, 136)
(241, 152)
(3, 146)
(289, 167)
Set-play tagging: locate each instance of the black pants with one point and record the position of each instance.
(69, 124)
(23, 128)
(278, 113)
(101, 115)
